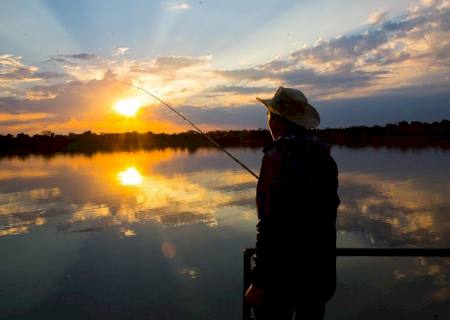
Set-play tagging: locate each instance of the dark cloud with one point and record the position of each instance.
(50, 89)
(19, 74)
(78, 56)
(419, 103)
(384, 57)
(246, 116)
(67, 61)
(19, 122)
(81, 65)
(344, 77)
(277, 65)
(343, 48)
(13, 69)
(49, 75)
(241, 89)
(61, 61)
(8, 104)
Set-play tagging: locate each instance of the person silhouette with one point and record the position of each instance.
(297, 201)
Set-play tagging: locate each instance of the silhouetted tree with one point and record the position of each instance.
(402, 135)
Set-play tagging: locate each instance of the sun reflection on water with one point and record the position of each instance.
(120, 190)
(123, 189)
(130, 177)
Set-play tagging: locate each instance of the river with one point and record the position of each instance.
(159, 234)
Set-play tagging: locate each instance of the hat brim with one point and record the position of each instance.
(309, 119)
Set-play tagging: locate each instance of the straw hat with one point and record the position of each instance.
(292, 104)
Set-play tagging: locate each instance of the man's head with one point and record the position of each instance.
(292, 105)
(279, 126)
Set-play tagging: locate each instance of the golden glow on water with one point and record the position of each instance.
(123, 188)
(13, 230)
(128, 107)
(130, 177)
(127, 232)
(109, 190)
(140, 197)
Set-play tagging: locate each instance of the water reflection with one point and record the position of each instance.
(394, 199)
(94, 193)
(391, 212)
(170, 216)
(107, 190)
(130, 177)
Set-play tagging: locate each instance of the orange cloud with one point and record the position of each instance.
(22, 117)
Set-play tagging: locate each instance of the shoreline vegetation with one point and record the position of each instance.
(403, 135)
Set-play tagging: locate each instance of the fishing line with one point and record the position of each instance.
(214, 142)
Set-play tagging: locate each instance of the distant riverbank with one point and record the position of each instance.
(403, 135)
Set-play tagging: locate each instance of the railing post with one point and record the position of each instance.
(246, 309)
(393, 252)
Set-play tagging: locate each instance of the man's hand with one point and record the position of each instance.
(253, 295)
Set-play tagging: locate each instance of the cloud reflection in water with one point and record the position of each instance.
(388, 199)
(118, 189)
(176, 188)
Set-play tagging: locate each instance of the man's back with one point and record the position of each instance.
(297, 202)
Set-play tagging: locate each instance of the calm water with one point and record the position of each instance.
(159, 235)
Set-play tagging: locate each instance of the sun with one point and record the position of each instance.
(128, 107)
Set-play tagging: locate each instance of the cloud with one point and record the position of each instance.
(168, 63)
(377, 17)
(82, 66)
(120, 51)
(341, 49)
(344, 77)
(366, 62)
(392, 211)
(242, 89)
(409, 104)
(242, 116)
(6, 118)
(414, 36)
(13, 69)
(173, 72)
(78, 56)
(40, 93)
(181, 6)
(68, 99)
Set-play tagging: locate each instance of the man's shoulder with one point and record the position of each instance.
(286, 146)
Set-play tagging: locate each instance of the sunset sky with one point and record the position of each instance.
(63, 63)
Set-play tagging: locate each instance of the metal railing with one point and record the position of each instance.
(346, 252)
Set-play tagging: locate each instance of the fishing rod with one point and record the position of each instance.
(214, 142)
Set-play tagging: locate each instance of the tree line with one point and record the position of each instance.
(399, 135)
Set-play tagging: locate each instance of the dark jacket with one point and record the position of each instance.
(297, 204)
